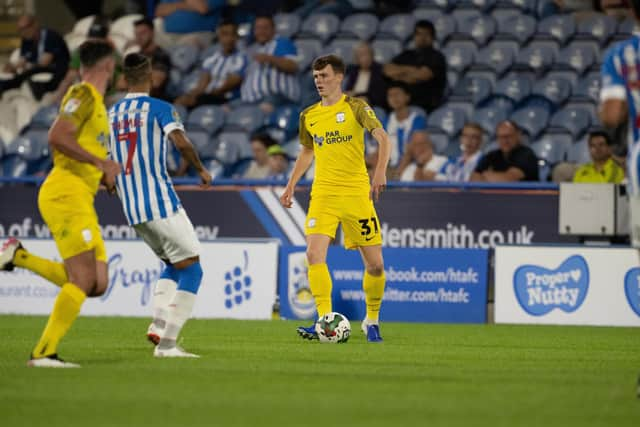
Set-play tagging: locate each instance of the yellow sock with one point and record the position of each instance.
(320, 284)
(373, 292)
(64, 313)
(50, 270)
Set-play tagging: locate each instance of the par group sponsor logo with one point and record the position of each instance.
(540, 290)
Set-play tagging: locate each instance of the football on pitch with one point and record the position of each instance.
(333, 328)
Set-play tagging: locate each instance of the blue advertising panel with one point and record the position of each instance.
(423, 285)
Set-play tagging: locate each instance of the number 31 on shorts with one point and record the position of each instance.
(366, 228)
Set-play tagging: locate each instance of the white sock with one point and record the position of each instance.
(178, 312)
(163, 294)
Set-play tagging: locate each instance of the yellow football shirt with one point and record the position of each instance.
(611, 173)
(336, 135)
(84, 106)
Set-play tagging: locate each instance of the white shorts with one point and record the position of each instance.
(173, 238)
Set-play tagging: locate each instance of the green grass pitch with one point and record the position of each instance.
(261, 374)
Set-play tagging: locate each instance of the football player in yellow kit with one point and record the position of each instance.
(79, 139)
(332, 132)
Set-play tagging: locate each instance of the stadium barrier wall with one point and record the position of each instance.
(567, 285)
(423, 285)
(434, 216)
(239, 281)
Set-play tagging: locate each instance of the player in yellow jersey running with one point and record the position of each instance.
(79, 138)
(332, 131)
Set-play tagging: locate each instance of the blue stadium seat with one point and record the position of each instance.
(245, 118)
(362, 4)
(578, 55)
(462, 16)
(174, 86)
(579, 152)
(488, 118)
(452, 78)
(447, 119)
(445, 26)
(439, 140)
(555, 89)
(399, 26)
(519, 28)
(588, 106)
(44, 117)
(322, 26)
(308, 50)
(557, 27)
(471, 89)
(287, 24)
(526, 6)
(574, 120)
(184, 57)
(13, 166)
(588, 88)
(467, 107)
(460, 54)
(203, 143)
(428, 13)
(552, 148)
(362, 26)
(598, 27)
(33, 145)
(385, 50)
(342, 48)
(499, 103)
(481, 28)
(285, 118)
(537, 56)
(215, 168)
(207, 118)
(531, 120)
(514, 86)
(443, 5)
(569, 75)
(233, 146)
(498, 56)
(625, 28)
(483, 5)
(190, 81)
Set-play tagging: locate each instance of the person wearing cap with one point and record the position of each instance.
(41, 51)
(278, 162)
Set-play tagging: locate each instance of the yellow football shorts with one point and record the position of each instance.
(357, 215)
(73, 222)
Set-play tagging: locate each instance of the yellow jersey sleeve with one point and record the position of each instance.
(305, 137)
(77, 105)
(364, 114)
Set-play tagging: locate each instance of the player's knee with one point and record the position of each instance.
(100, 287)
(315, 256)
(376, 269)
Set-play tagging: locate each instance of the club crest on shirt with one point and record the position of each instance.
(340, 117)
(71, 105)
(370, 112)
(318, 140)
(176, 116)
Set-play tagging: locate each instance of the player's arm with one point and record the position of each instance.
(613, 95)
(232, 82)
(304, 160)
(182, 143)
(379, 180)
(512, 174)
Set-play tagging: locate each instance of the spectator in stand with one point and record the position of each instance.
(602, 168)
(461, 168)
(400, 124)
(160, 60)
(340, 8)
(222, 72)
(260, 166)
(190, 21)
(364, 79)
(511, 161)
(278, 163)
(41, 51)
(422, 164)
(272, 74)
(423, 68)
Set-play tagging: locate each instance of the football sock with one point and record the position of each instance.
(373, 291)
(320, 284)
(163, 295)
(50, 270)
(181, 304)
(64, 313)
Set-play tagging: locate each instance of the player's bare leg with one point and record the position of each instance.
(373, 286)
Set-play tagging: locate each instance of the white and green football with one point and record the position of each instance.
(333, 328)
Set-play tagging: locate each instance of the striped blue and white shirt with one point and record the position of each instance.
(138, 141)
(264, 80)
(400, 133)
(220, 66)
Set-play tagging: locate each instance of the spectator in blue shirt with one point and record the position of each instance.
(190, 21)
(41, 51)
(271, 77)
(222, 72)
(461, 168)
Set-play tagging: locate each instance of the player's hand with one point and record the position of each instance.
(110, 169)
(378, 184)
(205, 178)
(286, 199)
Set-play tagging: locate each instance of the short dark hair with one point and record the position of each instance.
(600, 132)
(226, 22)
(144, 21)
(267, 17)
(93, 51)
(337, 64)
(136, 68)
(399, 85)
(264, 138)
(427, 25)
